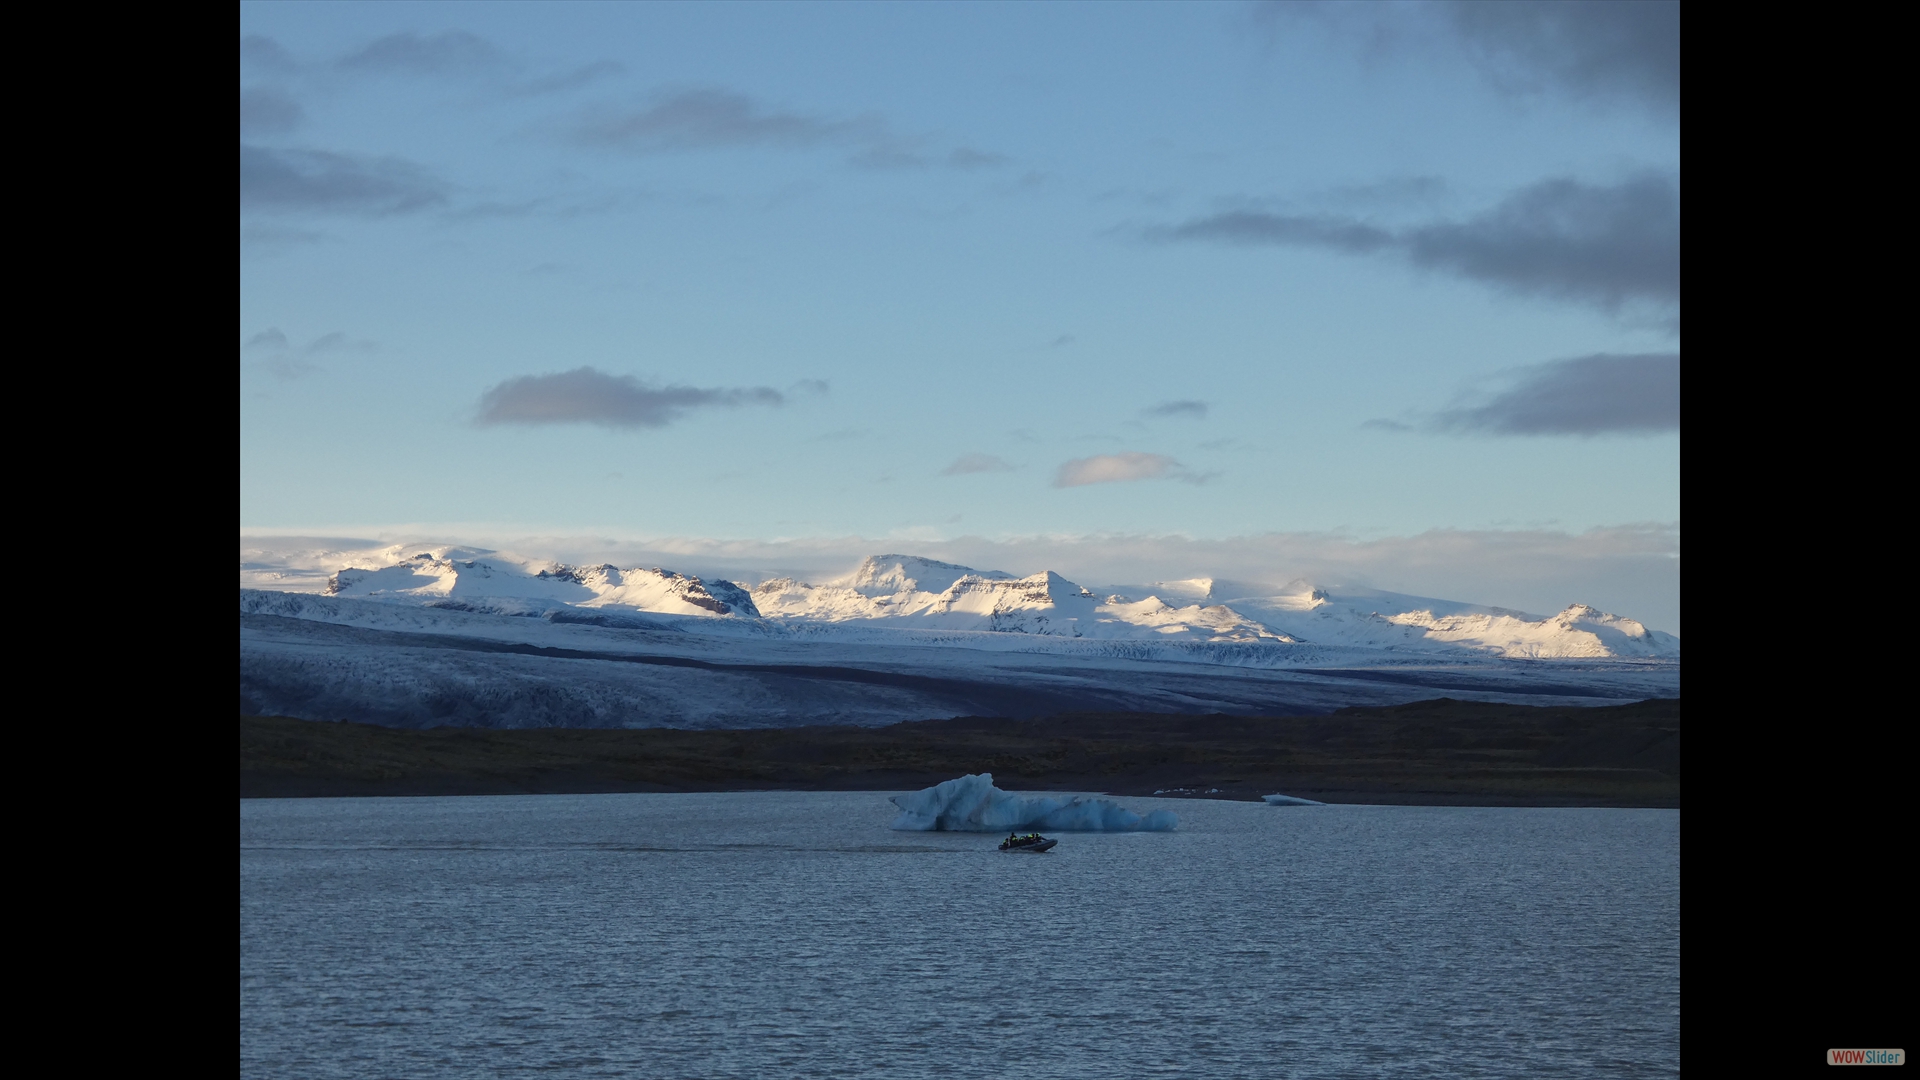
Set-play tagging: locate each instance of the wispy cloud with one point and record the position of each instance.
(451, 52)
(1196, 410)
(1118, 468)
(711, 118)
(966, 157)
(572, 79)
(975, 463)
(324, 182)
(273, 351)
(1606, 245)
(587, 396)
(266, 54)
(265, 110)
(692, 119)
(1587, 395)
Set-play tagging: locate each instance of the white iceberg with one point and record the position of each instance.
(972, 804)
(1288, 800)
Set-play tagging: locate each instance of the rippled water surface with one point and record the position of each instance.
(793, 934)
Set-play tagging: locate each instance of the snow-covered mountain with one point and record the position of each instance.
(470, 580)
(1370, 618)
(905, 592)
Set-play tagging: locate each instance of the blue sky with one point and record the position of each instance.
(1284, 279)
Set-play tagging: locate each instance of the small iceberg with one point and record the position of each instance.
(1288, 800)
(972, 804)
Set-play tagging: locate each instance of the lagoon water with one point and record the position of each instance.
(784, 934)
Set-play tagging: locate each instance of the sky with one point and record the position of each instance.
(1383, 293)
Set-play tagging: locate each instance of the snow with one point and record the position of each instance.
(972, 804)
(1288, 800)
(412, 664)
(910, 600)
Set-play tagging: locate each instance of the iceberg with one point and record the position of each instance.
(1288, 800)
(972, 804)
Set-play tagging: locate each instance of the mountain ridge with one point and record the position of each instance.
(898, 592)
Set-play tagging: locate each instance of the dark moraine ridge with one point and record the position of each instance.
(1439, 752)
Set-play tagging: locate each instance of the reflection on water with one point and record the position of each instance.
(793, 934)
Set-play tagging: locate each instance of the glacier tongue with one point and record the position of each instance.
(972, 804)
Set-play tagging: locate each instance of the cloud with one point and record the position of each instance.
(1587, 395)
(1578, 49)
(968, 158)
(452, 52)
(1582, 48)
(278, 354)
(587, 396)
(1195, 409)
(975, 463)
(258, 239)
(571, 80)
(708, 118)
(1115, 468)
(266, 111)
(324, 182)
(1606, 245)
(267, 54)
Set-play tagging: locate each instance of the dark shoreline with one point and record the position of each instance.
(1436, 753)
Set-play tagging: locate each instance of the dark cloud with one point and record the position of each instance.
(587, 396)
(1194, 409)
(266, 111)
(319, 181)
(1600, 244)
(1588, 395)
(975, 463)
(453, 52)
(1578, 47)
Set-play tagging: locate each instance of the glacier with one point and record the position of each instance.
(972, 804)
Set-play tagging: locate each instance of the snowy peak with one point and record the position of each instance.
(1043, 604)
(1188, 590)
(1371, 618)
(907, 592)
(891, 575)
(503, 583)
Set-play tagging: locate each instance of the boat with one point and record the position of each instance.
(1033, 842)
